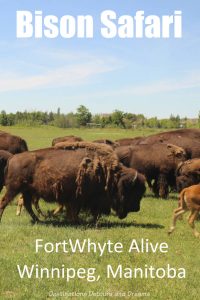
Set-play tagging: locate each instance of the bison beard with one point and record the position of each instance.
(84, 176)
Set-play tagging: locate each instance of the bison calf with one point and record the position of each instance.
(189, 200)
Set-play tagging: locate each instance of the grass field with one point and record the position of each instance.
(18, 237)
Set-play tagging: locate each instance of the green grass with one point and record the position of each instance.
(18, 235)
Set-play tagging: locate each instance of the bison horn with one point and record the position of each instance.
(135, 177)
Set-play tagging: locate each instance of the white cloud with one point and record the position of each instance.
(189, 81)
(192, 80)
(75, 74)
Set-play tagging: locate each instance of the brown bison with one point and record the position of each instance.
(69, 138)
(78, 177)
(11, 143)
(157, 162)
(188, 173)
(189, 199)
(188, 139)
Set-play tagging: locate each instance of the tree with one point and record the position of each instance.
(118, 118)
(83, 115)
(3, 118)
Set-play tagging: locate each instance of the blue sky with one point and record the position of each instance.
(156, 77)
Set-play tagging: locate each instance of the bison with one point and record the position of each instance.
(188, 173)
(157, 162)
(189, 199)
(87, 177)
(11, 143)
(188, 139)
(69, 138)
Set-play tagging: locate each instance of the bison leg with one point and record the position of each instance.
(28, 205)
(193, 216)
(149, 184)
(8, 197)
(163, 186)
(72, 212)
(20, 205)
(155, 188)
(37, 207)
(177, 213)
(95, 218)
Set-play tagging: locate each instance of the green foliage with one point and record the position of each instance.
(117, 118)
(83, 115)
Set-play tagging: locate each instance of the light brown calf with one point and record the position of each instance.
(189, 200)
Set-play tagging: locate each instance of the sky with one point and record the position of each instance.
(155, 77)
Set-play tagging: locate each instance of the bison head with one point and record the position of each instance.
(130, 190)
(177, 152)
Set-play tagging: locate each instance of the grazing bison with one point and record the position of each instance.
(188, 173)
(189, 199)
(78, 176)
(188, 139)
(11, 143)
(69, 138)
(157, 162)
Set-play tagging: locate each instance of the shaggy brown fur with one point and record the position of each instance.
(100, 161)
(88, 177)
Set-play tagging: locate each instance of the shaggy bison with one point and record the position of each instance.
(11, 143)
(188, 173)
(78, 176)
(157, 162)
(69, 138)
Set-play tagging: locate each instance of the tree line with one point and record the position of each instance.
(84, 118)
